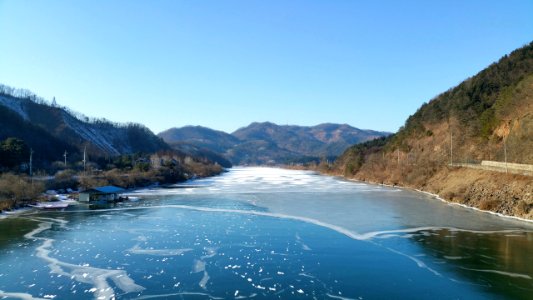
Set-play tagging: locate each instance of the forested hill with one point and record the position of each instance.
(321, 140)
(269, 143)
(487, 117)
(51, 129)
(214, 140)
(482, 111)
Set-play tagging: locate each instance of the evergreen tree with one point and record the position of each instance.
(13, 152)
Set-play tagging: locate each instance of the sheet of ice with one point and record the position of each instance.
(97, 277)
(263, 230)
(342, 230)
(357, 210)
(22, 296)
(157, 252)
(340, 297)
(199, 266)
(510, 274)
(355, 206)
(299, 240)
(180, 294)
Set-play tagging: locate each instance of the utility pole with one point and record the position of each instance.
(505, 152)
(31, 162)
(398, 151)
(65, 156)
(451, 148)
(84, 158)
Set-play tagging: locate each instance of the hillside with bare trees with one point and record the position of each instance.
(487, 119)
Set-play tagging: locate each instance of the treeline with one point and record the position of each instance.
(16, 157)
(28, 95)
(479, 103)
(127, 171)
(13, 153)
(476, 117)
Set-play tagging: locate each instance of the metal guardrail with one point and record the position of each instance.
(504, 165)
(496, 166)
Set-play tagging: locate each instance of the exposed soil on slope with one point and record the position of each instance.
(507, 194)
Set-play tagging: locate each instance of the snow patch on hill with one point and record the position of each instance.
(15, 105)
(90, 134)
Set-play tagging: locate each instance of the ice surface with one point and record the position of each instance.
(353, 206)
(180, 294)
(23, 296)
(82, 273)
(340, 297)
(510, 274)
(158, 252)
(267, 233)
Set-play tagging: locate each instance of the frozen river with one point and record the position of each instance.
(268, 233)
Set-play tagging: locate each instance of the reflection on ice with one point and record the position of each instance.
(515, 275)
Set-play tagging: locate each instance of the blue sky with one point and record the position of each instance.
(224, 64)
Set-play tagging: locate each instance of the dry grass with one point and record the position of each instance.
(503, 193)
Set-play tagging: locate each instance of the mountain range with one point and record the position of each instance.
(51, 130)
(269, 143)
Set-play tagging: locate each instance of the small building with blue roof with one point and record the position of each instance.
(107, 193)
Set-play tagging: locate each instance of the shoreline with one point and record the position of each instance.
(20, 211)
(16, 212)
(474, 208)
(436, 196)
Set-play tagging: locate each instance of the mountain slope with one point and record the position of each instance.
(49, 147)
(320, 140)
(260, 152)
(202, 137)
(101, 137)
(202, 153)
(486, 117)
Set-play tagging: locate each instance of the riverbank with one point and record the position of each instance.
(15, 189)
(438, 197)
(507, 195)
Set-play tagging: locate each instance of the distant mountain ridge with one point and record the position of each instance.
(51, 130)
(269, 143)
(326, 139)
